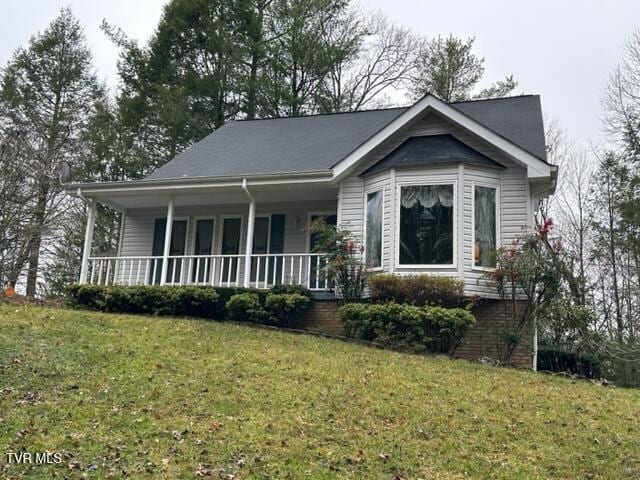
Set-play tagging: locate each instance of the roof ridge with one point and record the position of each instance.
(475, 100)
(386, 109)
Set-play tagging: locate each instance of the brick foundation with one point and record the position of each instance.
(481, 341)
(322, 317)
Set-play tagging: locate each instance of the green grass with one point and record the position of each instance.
(142, 397)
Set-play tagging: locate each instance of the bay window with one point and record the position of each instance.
(426, 233)
(485, 227)
(373, 240)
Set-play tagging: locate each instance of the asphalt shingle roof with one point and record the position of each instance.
(432, 150)
(317, 142)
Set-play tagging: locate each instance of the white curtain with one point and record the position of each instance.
(485, 225)
(427, 195)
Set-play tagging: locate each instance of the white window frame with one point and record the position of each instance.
(186, 245)
(186, 232)
(268, 216)
(367, 192)
(450, 266)
(194, 226)
(496, 187)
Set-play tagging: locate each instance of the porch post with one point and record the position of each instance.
(167, 242)
(251, 220)
(88, 240)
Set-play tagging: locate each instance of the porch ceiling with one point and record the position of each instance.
(123, 200)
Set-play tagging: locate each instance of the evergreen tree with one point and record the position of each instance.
(47, 93)
(448, 68)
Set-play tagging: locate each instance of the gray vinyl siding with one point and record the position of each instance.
(515, 204)
(351, 205)
(137, 239)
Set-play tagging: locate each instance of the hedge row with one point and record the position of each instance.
(430, 329)
(585, 365)
(193, 301)
(418, 289)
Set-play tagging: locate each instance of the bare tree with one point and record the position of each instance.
(385, 60)
(621, 100)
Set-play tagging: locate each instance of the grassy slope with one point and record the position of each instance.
(156, 398)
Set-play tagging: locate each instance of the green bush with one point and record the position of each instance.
(196, 301)
(553, 360)
(246, 307)
(417, 289)
(292, 288)
(280, 306)
(411, 327)
(285, 308)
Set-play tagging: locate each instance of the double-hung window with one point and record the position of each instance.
(485, 232)
(373, 239)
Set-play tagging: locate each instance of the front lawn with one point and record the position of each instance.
(142, 397)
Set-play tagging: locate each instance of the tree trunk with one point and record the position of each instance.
(614, 264)
(36, 240)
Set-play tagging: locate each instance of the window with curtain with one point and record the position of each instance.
(426, 225)
(485, 236)
(373, 249)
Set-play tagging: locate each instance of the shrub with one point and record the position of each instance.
(246, 307)
(196, 301)
(344, 261)
(291, 288)
(417, 328)
(285, 308)
(585, 365)
(417, 289)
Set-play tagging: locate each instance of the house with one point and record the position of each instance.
(430, 188)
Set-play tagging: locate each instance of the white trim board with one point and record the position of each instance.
(194, 226)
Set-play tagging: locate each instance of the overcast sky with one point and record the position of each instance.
(560, 49)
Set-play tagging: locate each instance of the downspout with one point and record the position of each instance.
(82, 197)
(250, 226)
(548, 190)
(246, 190)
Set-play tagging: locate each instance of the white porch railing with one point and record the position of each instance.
(307, 269)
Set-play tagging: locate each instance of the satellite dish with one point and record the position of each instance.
(63, 171)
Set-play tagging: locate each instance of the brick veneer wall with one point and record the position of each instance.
(323, 317)
(480, 341)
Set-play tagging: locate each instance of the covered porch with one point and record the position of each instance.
(233, 235)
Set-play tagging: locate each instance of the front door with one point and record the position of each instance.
(177, 247)
(315, 261)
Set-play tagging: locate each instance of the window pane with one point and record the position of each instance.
(204, 237)
(373, 252)
(260, 234)
(201, 269)
(485, 227)
(426, 225)
(260, 244)
(230, 246)
(231, 236)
